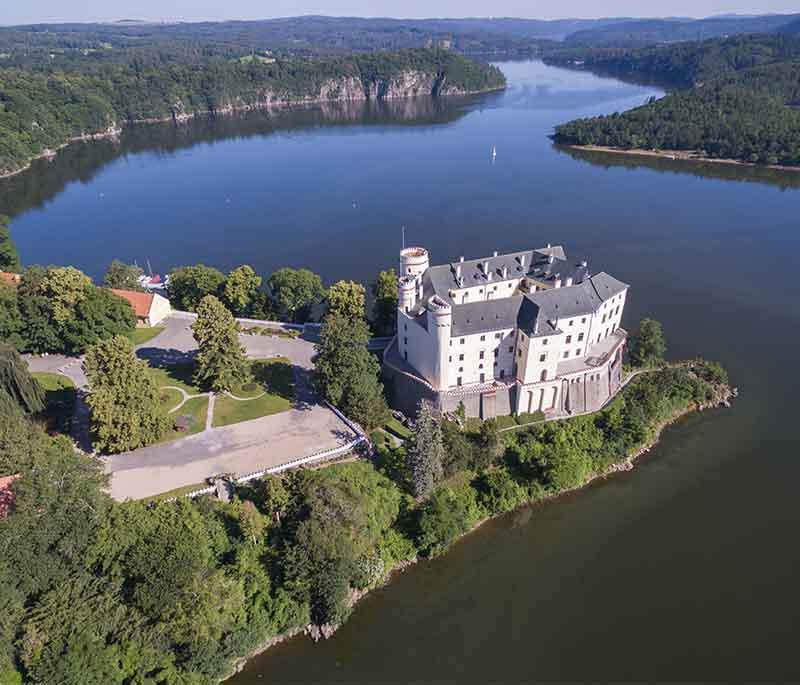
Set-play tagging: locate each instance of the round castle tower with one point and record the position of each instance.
(440, 321)
(414, 261)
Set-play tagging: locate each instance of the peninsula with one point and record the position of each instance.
(209, 580)
(733, 99)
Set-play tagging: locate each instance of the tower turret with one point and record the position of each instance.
(440, 321)
(414, 261)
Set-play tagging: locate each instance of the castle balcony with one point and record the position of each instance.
(596, 356)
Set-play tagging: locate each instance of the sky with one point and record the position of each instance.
(30, 11)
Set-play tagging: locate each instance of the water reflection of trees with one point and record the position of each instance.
(727, 172)
(83, 161)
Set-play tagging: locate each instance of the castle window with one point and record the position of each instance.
(405, 326)
(451, 357)
(462, 341)
(482, 354)
(569, 339)
(543, 377)
(405, 341)
(497, 336)
(578, 352)
(502, 373)
(458, 381)
(461, 369)
(544, 341)
(511, 349)
(483, 338)
(580, 337)
(583, 320)
(483, 377)
(461, 357)
(496, 353)
(542, 357)
(566, 354)
(571, 322)
(519, 353)
(480, 366)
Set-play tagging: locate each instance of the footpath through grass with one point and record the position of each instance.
(272, 387)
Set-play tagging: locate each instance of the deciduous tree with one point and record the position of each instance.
(384, 308)
(221, 361)
(64, 287)
(126, 411)
(190, 284)
(241, 288)
(9, 257)
(647, 346)
(346, 372)
(296, 291)
(346, 299)
(123, 276)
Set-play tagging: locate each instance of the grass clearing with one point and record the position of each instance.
(272, 377)
(271, 332)
(179, 376)
(141, 335)
(397, 429)
(59, 398)
(170, 398)
(196, 411)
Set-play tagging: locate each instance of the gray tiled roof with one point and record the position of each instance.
(488, 315)
(536, 264)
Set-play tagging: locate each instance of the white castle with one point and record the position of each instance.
(514, 333)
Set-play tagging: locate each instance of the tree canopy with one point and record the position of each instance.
(122, 276)
(126, 410)
(9, 257)
(384, 307)
(190, 284)
(220, 363)
(296, 291)
(241, 289)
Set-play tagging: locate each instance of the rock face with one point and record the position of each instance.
(407, 84)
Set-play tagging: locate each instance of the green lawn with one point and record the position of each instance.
(396, 428)
(197, 410)
(170, 398)
(274, 378)
(179, 376)
(271, 332)
(139, 336)
(60, 396)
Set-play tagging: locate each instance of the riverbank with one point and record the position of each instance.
(720, 395)
(679, 155)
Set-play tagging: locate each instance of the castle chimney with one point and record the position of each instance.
(505, 272)
(458, 272)
(569, 281)
(494, 254)
(550, 259)
(461, 258)
(489, 276)
(522, 260)
(485, 268)
(558, 283)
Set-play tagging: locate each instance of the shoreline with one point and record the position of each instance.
(115, 130)
(625, 465)
(680, 155)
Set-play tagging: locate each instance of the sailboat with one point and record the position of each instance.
(494, 152)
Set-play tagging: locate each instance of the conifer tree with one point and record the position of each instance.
(221, 362)
(425, 451)
(17, 383)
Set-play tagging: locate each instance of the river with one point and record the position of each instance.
(684, 568)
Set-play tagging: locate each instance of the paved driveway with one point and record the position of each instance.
(240, 449)
(176, 343)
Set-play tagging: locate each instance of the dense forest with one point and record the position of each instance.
(737, 100)
(41, 109)
(98, 592)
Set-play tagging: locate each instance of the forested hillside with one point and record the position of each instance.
(739, 100)
(42, 109)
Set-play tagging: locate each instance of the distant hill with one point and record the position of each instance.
(737, 100)
(647, 31)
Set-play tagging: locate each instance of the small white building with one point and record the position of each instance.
(150, 308)
(515, 333)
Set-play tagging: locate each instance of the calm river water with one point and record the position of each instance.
(685, 568)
